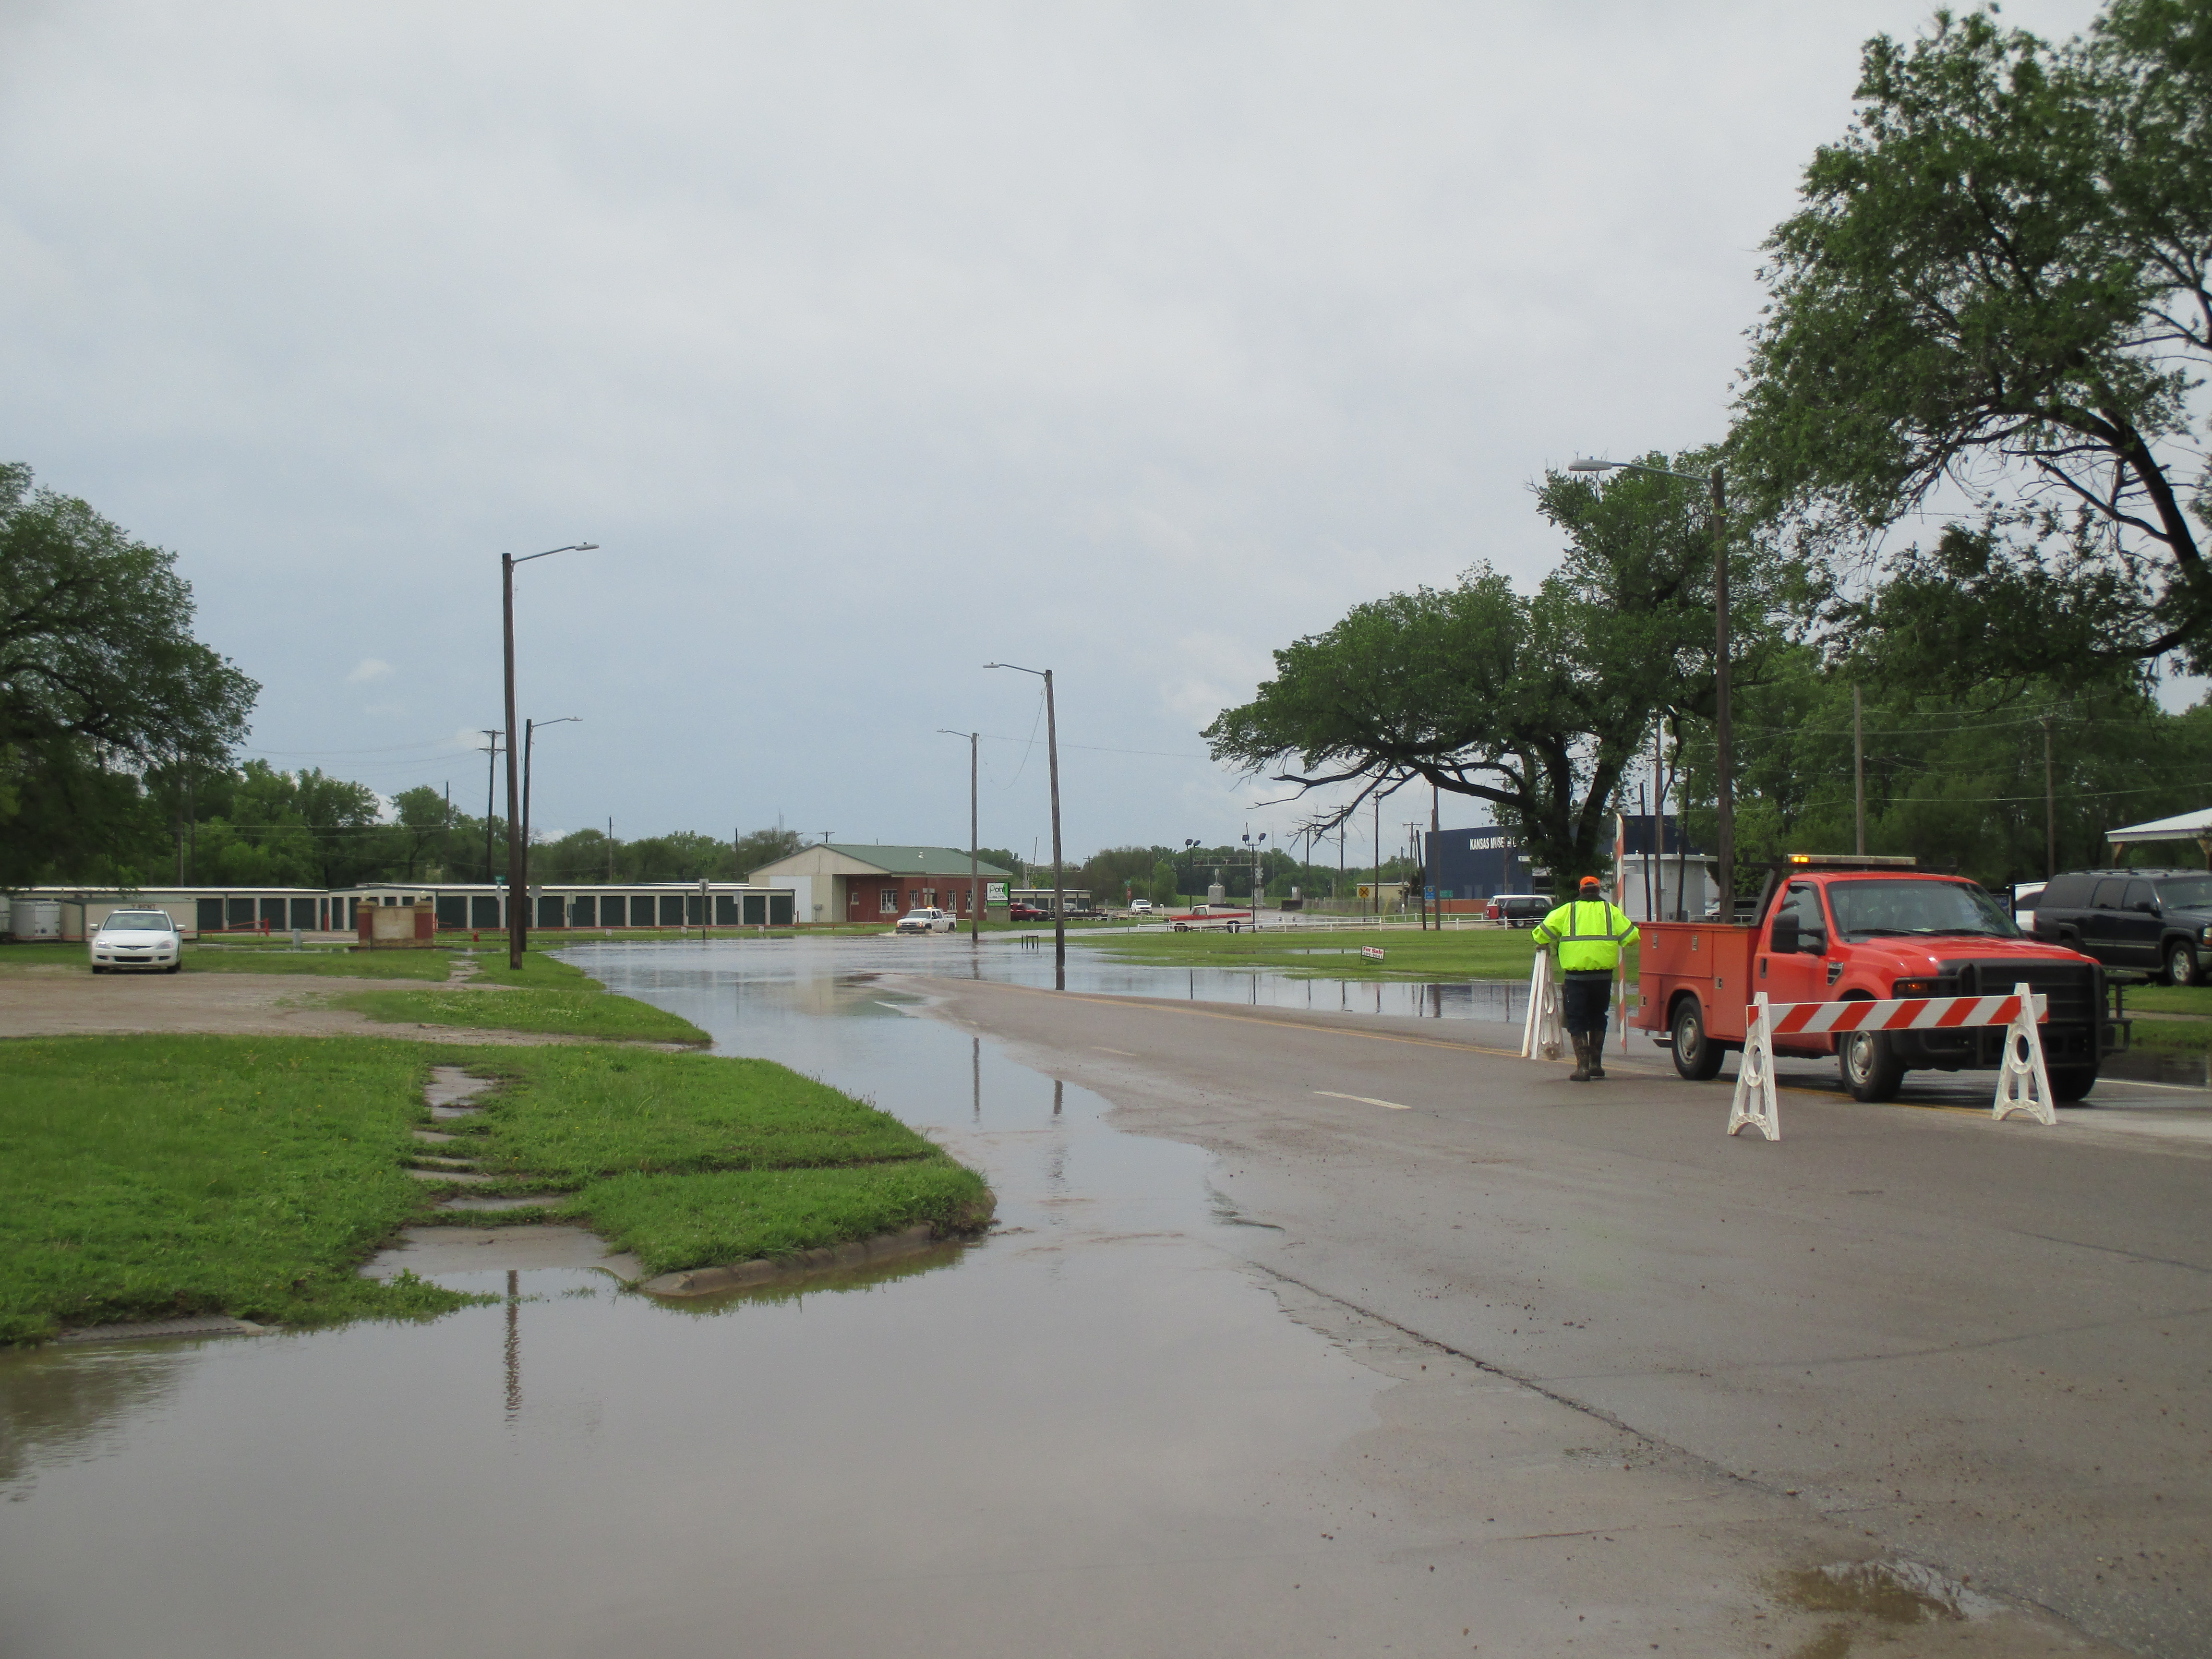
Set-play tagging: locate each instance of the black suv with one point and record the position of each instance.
(2157, 920)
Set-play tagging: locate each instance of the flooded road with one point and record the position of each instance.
(1097, 1431)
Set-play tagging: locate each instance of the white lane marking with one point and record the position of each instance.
(1105, 1050)
(1364, 1100)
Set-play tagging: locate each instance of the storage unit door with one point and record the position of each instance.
(452, 910)
(756, 909)
(482, 912)
(584, 910)
(671, 909)
(210, 916)
(779, 909)
(551, 911)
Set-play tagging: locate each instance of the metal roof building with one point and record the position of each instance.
(849, 881)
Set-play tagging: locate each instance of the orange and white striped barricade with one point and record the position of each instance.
(2023, 1081)
(1753, 1104)
(1545, 1033)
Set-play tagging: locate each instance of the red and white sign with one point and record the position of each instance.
(1910, 1014)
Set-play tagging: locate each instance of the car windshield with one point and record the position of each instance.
(2193, 894)
(1865, 908)
(136, 921)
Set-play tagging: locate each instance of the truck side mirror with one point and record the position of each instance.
(1782, 938)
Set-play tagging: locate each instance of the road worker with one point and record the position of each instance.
(1585, 935)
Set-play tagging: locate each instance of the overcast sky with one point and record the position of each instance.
(871, 344)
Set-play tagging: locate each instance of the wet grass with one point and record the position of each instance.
(570, 1115)
(334, 962)
(2170, 999)
(149, 1177)
(673, 1222)
(589, 1013)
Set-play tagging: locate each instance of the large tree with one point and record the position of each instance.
(1535, 703)
(101, 684)
(1993, 305)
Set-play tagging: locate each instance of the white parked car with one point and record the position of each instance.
(931, 921)
(1140, 907)
(136, 939)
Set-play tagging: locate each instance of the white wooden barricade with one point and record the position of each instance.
(1545, 1031)
(2023, 1083)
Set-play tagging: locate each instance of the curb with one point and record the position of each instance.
(705, 1281)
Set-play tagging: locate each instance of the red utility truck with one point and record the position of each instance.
(1833, 929)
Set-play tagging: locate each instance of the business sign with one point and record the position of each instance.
(994, 892)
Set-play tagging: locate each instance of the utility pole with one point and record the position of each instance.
(1420, 869)
(1858, 767)
(1656, 894)
(1725, 772)
(1378, 855)
(491, 785)
(2050, 809)
(974, 856)
(1436, 829)
(1052, 761)
(610, 852)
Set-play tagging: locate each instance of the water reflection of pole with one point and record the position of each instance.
(513, 1346)
(1057, 1086)
(976, 1061)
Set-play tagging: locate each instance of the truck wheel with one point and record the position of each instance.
(2070, 1084)
(2180, 965)
(1696, 1057)
(1871, 1069)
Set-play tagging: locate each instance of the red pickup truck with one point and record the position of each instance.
(1832, 929)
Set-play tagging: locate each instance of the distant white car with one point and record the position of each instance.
(136, 939)
(1140, 907)
(930, 921)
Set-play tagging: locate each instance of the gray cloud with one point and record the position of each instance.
(871, 342)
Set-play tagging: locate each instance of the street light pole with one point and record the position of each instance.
(1052, 761)
(974, 856)
(516, 874)
(1725, 769)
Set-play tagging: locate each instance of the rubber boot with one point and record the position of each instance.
(1596, 1055)
(1582, 1071)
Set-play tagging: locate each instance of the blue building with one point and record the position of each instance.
(1477, 864)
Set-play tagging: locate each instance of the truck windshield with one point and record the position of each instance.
(1864, 908)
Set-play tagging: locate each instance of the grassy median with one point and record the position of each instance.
(143, 1177)
(147, 1177)
(588, 1012)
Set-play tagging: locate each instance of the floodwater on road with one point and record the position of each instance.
(1088, 1432)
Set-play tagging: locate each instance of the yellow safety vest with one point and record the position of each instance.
(1589, 933)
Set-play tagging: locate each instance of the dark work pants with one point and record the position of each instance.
(1583, 1001)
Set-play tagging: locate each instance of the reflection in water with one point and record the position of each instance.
(59, 1406)
(513, 1346)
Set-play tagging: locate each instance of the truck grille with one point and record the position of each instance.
(2076, 997)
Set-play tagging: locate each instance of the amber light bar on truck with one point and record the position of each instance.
(1851, 860)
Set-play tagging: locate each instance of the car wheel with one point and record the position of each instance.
(2180, 964)
(1871, 1070)
(1697, 1056)
(2070, 1084)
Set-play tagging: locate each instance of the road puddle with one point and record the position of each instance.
(1071, 1436)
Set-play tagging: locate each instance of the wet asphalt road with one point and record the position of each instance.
(1985, 1346)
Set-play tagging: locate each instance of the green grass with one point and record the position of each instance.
(2170, 999)
(587, 1011)
(566, 1114)
(154, 1176)
(673, 1222)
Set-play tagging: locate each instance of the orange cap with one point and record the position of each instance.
(1592, 881)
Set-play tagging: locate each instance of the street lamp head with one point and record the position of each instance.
(1592, 467)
